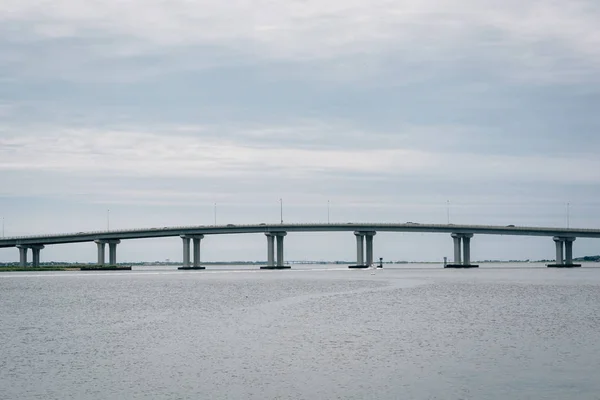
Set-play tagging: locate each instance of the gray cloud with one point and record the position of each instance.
(541, 41)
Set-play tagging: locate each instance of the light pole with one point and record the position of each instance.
(568, 206)
(107, 219)
(327, 211)
(2, 226)
(281, 210)
(215, 213)
(448, 211)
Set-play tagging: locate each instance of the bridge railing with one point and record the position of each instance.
(358, 225)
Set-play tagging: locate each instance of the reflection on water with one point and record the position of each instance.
(409, 331)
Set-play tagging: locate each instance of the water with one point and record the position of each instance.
(315, 332)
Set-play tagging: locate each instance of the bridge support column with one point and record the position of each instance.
(22, 256)
(35, 258)
(369, 243)
(35, 250)
(564, 252)
(363, 238)
(559, 251)
(270, 250)
(271, 238)
(457, 257)
(569, 250)
(467, 250)
(280, 251)
(112, 251)
(101, 251)
(462, 259)
(196, 239)
(360, 244)
(186, 251)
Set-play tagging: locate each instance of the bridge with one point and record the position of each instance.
(275, 233)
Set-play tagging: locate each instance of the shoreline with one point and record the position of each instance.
(65, 268)
(128, 267)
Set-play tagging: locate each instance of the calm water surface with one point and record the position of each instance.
(315, 332)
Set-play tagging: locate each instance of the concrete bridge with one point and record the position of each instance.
(275, 234)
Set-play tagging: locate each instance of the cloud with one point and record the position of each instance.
(544, 41)
(148, 154)
(128, 158)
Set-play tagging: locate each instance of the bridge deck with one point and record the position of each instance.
(304, 227)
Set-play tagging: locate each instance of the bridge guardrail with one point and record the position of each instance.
(305, 224)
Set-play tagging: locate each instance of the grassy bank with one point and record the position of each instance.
(105, 268)
(86, 267)
(28, 269)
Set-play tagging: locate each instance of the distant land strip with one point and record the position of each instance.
(77, 266)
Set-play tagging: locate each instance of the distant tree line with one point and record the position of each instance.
(588, 258)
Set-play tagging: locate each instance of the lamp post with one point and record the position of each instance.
(107, 219)
(327, 211)
(568, 207)
(215, 213)
(281, 210)
(448, 211)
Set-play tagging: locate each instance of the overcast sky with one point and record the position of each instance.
(390, 110)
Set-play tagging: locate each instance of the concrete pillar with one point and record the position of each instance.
(569, 250)
(462, 256)
(186, 251)
(559, 250)
(196, 240)
(112, 251)
(564, 252)
(280, 236)
(369, 240)
(101, 251)
(22, 256)
(457, 257)
(35, 261)
(360, 237)
(271, 264)
(270, 249)
(466, 239)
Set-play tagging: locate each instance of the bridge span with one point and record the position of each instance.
(275, 233)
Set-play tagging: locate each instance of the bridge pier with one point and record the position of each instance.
(35, 250)
(196, 241)
(457, 252)
(462, 259)
(559, 251)
(363, 238)
(35, 258)
(569, 250)
(467, 250)
(271, 238)
(186, 251)
(564, 253)
(22, 256)
(112, 251)
(270, 250)
(360, 245)
(101, 251)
